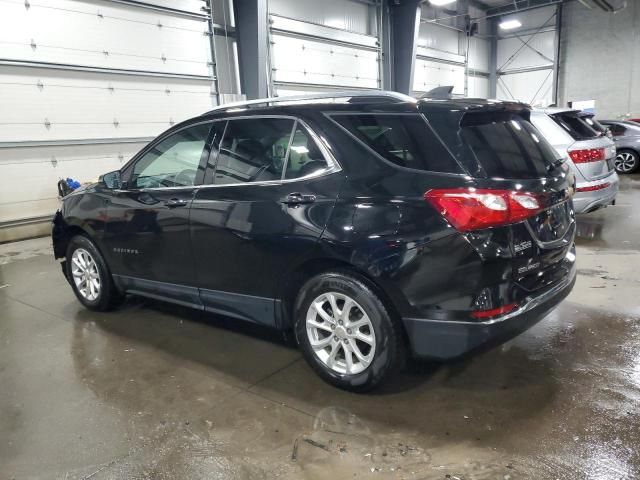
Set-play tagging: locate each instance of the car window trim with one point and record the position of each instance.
(332, 164)
(128, 168)
(464, 172)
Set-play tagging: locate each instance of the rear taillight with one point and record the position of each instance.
(587, 155)
(593, 188)
(475, 208)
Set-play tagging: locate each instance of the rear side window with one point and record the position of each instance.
(405, 140)
(575, 126)
(504, 144)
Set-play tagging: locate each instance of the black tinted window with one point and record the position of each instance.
(575, 126)
(506, 145)
(405, 140)
(304, 156)
(253, 150)
(617, 130)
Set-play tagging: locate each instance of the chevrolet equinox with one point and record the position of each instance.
(374, 226)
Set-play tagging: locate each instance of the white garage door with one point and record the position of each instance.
(85, 84)
(308, 58)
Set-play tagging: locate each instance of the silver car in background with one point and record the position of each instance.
(626, 135)
(589, 153)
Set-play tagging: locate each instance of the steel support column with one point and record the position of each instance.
(252, 23)
(556, 63)
(493, 58)
(405, 25)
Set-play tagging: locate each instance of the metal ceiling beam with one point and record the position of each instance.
(520, 6)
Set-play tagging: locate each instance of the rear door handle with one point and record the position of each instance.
(297, 198)
(175, 202)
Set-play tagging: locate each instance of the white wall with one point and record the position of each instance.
(522, 49)
(600, 59)
(87, 97)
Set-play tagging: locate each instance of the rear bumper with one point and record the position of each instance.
(584, 202)
(442, 339)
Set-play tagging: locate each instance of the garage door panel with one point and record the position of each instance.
(429, 74)
(299, 60)
(104, 35)
(93, 105)
(30, 177)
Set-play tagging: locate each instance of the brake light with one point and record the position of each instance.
(587, 155)
(593, 188)
(474, 208)
(494, 312)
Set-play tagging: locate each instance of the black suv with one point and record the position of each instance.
(372, 225)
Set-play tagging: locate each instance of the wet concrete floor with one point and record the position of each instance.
(154, 391)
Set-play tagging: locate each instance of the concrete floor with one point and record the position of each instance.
(154, 391)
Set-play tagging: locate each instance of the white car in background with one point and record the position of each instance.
(589, 153)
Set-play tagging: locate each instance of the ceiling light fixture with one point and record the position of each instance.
(510, 24)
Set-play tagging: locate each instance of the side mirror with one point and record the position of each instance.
(111, 180)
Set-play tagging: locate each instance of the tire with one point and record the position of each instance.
(83, 257)
(626, 161)
(377, 360)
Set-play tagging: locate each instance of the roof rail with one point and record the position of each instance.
(302, 99)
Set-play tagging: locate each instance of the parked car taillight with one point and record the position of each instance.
(593, 188)
(587, 155)
(474, 208)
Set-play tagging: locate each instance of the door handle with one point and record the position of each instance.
(297, 198)
(175, 202)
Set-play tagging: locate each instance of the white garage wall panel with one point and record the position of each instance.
(434, 36)
(104, 35)
(306, 57)
(101, 73)
(298, 60)
(29, 174)
(45, 104)
(347, 15)
(440, 60)
(526, 58)
(512, 54)
(535, 88)
(429, 74)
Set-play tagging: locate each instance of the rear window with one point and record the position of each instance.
(495, 143)
(575, 126)
(403, 139)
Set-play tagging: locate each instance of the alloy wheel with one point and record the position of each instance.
(86, 277)
(625, 162)
(340, 333)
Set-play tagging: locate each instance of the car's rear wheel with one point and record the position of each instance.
(346, 333)
(626, 161)
(89, 275)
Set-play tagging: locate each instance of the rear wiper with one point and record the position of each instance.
(555, 164)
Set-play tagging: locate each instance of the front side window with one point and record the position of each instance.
(173, 162)
(405, 140)
(253, 150)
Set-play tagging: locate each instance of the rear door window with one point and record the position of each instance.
(253, 150)
(403, 139)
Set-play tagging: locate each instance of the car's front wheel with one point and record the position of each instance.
(627, 161)
(89, 275)
(346, 333)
